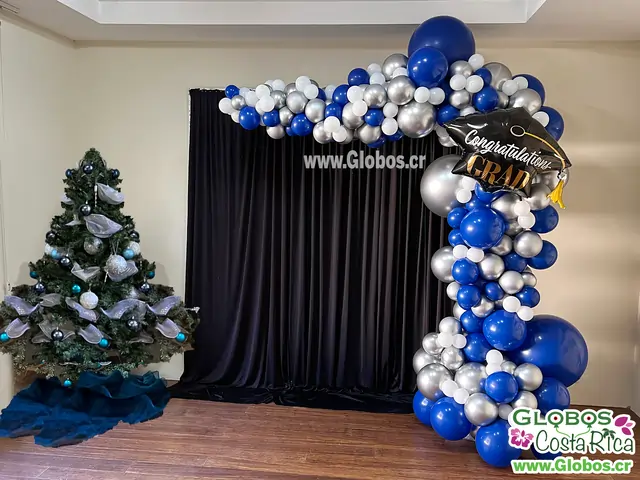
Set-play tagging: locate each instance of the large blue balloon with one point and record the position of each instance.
(358, 76)
(447, 113)
(546, 219)
(468, 296)
(249, 118)
(465, 272)
(374, 117)
(546, 258)
(555, 127)
(513, 261)
(493, 291)
(482, 228)
(485, 75)
(340, 94)
(455, 238)
(504, 330)
(427, 67)
(534, 84)
(301, 125)
(422, 408)
(476, 348)
(447, 34)
(487, 99)
(501, 386)
(455, 216)
(529, 296)
(492, 444)
(231, 91)
(556, 346)
(471, 323)
(333, 110)
(551, 395)
(448, 419)
(272, 118)
(484, 196)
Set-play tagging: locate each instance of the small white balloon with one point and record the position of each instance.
(311, 91)
(301, 82)
(449, 387)
(463, 196)
(400, 72)
(263, 91)
(474, 84)
(332, 124)
(467, 111)
(510, 304)
(267, 103)
(475, 254)
(269, 82)
(452, 291)
(389, 126)
(476, 61)
(468, 183)
(542, 117)
(494, 356)
(259, 109)
(422, 95)
(244, 91)
(445, 339)
(527, 221)
(340, 135)
(251, 98)
(355, 93)
(510, 87)
(461, 395)
(235, 116)
(458, 82)
(504, 409)
(374, 68)
(459, 340)
(493, 368)
(390, 110)
(460, 251)
(278, 84)
(525, 313)
(225, 106)
(329, 91)
(377, 78)
(359, 108)
(522, 82)
(441, 131)
(521, 208)
(436, 96)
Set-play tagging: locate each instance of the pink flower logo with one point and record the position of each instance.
(625, 424)
(520, 438)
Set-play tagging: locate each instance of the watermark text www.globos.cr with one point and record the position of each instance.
(360, 160)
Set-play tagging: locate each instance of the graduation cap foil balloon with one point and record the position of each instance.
(506, 149)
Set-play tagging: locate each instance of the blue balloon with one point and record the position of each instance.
(340, 94)
(501, 386)
(484, 196)
(422, 408)
(555, 127)
(231, 91)
(465, 272)
(546, 258)
(333, 110)
(470, 322)
(271, 119)
(475, 203)
(504, 330)
(427, 67)
(289, 132)
(301, 125)
(529, 296)
(482, 228)
(556, 347)
(468, 296)
(447, 34)
(395, 137)
(487, 99)
(455, 216)
(476, 348)
(446, 87)
(249, 118)
(493, 291)
(552, 395)
(378, 143)
(448, 419)
(447, 113)
(546, 219)
(485, 75)
(374, 117)
(534, 84)
(513, 261)
(358, 76)
(492, 444)
(455, 238)
(322, 94)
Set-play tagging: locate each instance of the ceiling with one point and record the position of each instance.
(371, 23)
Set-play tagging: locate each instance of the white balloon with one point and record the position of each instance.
(527, 221)
(467, 111)
(460, 251)
(390, 110)
(476, 61)
(400, 72)
(377, 78)
(301, 82)
(475, 254)
(459, 340)
(332, 124)
(251, 98)
(389, 126)
(278, 84)
(235, 116)
(511, 304)
(422, 95)
(359, 108)
(355, 93)
(436, 96)
(340, 135)
(458, 82)
(521, 208)
(468, 183)
(269, 82)
(259, 109)
(244, 91)
(494, 356)
(493, 368)
(329, 91)
(311, 91)
(510, 87)
(504, 409)
(452, 291)
(267, 103)
(263, 91)
(522, 82)
(445, 339)
(374, 68)
(525, 313)
(542, 117)
(474, 84)
(225, 106)
(461, 396)
(441, 131)
(463, 196)
(449, 387)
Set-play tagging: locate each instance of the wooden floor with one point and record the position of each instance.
(196, 440)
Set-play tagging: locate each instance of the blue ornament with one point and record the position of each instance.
(470, 322)
(504, 330)
(552, 395)
(128, 253)
(55, 254)
(39, 287)
(231, 91)
(374, 117)
(476, 348)
(482, 228)
(493, 291)
(465, 272)
(455, 238)
(448, 34)
(115, 173)
(271, 119)
(333, 110)
(501, 386)
(301, 125)
(249, 118)
(447, 113)
(486, 100)
(448, 419)
(513, 261)
(556, 347)
(555, 127)
(468, 296)
(546, 219)
(427, 67)
(485, 75)
(475, 203)
(67, 383)
(4, 337)
(358, 76)
(151, 274)
(33, 274)
(181, 337)
(69, 173)
(455, 216)
(534, 84)
(422, 408)
(492, 444)
(546, 258)
(396, 136)
(378, 143)
(104, 343)
(340, 94)
(528, 296)
(76, 289)
(484, 196)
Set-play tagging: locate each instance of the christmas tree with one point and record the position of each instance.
(92, 306)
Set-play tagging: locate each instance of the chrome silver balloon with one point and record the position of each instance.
(441, 264)
(458, 310)
(429, 380)
(400, 90)
(527, 244)
(505, 205)
(511, 282)
(505, 246)
(528, 99)
(471, 377)
(529, 278)
(461, 67)
(525, 399)
(416, 120)
(349, 138)
(449, 325)
(438, 187)
(529, 376)
(452, 358)
(452, 290)
(539, 196)
(430, 344)
(513, 228)
(491, 266)
(238, 102)
(421, 359)
(280, 98)
(368, 134)
(503, 100)
(314, 110)
(320, 134)
(480, 409)
(460, 99)
(484, 309)
(392, 63)
(499, 74)
(508, 367)
(276, 132)
(296, 101)
(375, 96)
(291, 87)
(285, 116)
(350, 119)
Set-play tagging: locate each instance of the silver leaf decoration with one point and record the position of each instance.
(131, 270)
(16, 328)
(51, 300)
(40, 338)
(168, 328)
(85, 313)
(104, 364)
(85, 274)
(109, 194)
(46, 327)
(91, 334)
(119, 309)
(101, 226)
(142, 338)
(19, 305)
(74, 222)
(66, 200)
(165, 305)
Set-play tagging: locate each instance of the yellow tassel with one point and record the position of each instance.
(556, 194)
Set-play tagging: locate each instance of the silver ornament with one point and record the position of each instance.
(350, 119)
(320, 134)
(416, 120)
(429, 380)
(452, 358)
(238, 102)
(116, 265)
(539, 196)
(529, 279)
(280, 98)
(290, 88)
(480, 409)
(503, 100)
(508, 367)
(296, 101)
(89, 300)
(485, 307)
(286, 116)
(392, 63)
(314, 110)
(375, 96)
(449, 325)
(471, 377)
(276, 132)
(504, 246)
(438, 186)
(461, 67)
(499, 74)
(134, 247)
(441, 264)
(513, 228)
(458, 310)
(528, 99)
(400, 90)
(491, 266)
(505, 205)
(460, 99)
(529, 376)
(430, 344)
(93, 245)
(368, 134)
(511, 282)
(421, 359)
(527, 244)
(525, 399)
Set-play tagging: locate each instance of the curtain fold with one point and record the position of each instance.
(314, 284)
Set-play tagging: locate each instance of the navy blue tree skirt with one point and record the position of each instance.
(56, 415)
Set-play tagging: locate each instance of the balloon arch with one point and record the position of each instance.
(493, 355)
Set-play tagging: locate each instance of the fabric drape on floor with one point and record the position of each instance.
(314, 284)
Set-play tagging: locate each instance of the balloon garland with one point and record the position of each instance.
(494, 354)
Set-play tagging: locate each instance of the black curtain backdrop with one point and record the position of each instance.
(314, 285)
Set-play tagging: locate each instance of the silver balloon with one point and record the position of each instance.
(503, 100)
(471, 377)
(539, 196)
(505, 246)
(499, 74)
(320, 134)
(400, 90)
(480, 409)
(429, 380)
(449, 325)
(504, 205)
(441, 264)
(350, 119)
(461, 67)
(525, 399)
(452, 358)
(286, 116)
(313, 82)
(529, 376)
(430, 344)
(527, 244)
(458, 310)
(421, 359)
(349, 138)
(452, 290)
(460, 99)
(392, 63)
(529, 279)
(416, 120)
(276, 132)
(368, 133)
(238, 102)
(528, 99)
(94, 245)
(438, 186)
(314, 110)
(291, 87)
(280, 98)
(296, 101)
(375, 96)
(485, 307)
(511, 282)
(491, 266)
(508, 367)
(513, 228)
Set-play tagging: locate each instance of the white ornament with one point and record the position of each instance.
(510, 304)
(459, 340)
(460, 251)
(475, 254)
(494, 356)
(89, 300)
(134, 247)
(116, 265)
